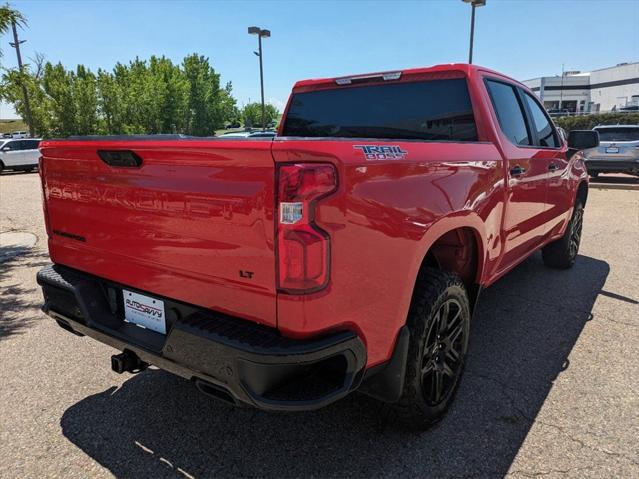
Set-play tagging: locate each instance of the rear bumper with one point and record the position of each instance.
(630, 165)
(226, 357)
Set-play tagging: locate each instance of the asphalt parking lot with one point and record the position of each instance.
(552, 385)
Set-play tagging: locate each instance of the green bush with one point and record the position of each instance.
(588, 122)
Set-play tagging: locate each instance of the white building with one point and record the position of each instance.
(607, 89)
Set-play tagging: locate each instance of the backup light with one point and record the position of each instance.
(291, 213)
(303, 248)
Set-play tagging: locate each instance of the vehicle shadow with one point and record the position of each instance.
(19, 301)
(527, 324)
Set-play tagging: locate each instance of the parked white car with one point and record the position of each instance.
(20, 134)
(19, 154)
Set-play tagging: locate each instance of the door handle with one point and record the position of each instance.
(517, 171)
(552, 167)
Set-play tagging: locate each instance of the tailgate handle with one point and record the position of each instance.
(120, 158)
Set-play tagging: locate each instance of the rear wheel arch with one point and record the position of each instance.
(437, 257)
(460, 251)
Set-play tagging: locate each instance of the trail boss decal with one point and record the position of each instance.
(379, 152)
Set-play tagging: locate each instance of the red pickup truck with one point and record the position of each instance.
(345, 254)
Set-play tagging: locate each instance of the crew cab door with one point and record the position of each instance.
(30, 152)
(523, 224)
(551, 153)
(12, 154)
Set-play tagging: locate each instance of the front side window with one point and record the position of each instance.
(12, 145)
(509, 112)
(546, 136)
(434, 110)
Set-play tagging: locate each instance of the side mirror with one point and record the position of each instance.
(5, 148)
(583, 139)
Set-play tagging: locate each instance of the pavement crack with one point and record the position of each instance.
(506, 389)
(546, 473)
(620, 322)
(587, 446)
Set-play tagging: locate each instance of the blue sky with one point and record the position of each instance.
(310, 39)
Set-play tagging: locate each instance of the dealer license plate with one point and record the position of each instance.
(144, 311)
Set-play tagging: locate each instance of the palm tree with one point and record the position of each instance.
(8, 16)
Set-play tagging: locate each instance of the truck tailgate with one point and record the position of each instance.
(193, 222)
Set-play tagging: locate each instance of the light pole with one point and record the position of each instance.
(261, 33)
(27, 108)
(475, 4)
(561, 91)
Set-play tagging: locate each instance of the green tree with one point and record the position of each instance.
(85, 97)
(141, 97)
(8, 16)
(57, 83)
(11, 91)
(227, 110)
(252, 114)
(208, 104)
(110, 104)
(170, 90)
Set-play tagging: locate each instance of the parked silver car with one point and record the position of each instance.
(618, 150)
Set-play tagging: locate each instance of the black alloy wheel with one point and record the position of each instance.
(575, 233)
(442, 353)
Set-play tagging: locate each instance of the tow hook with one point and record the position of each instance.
(127, 362)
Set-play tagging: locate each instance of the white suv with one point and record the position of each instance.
(19, 154)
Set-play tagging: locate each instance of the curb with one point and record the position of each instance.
(614, 186)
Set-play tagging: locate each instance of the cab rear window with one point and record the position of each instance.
(435, 110)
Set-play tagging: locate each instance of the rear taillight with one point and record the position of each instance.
(303, 247)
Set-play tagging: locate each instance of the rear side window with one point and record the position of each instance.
(509, 112)
(620, 133)
(546, 136)
(30, 144)
(435, 110)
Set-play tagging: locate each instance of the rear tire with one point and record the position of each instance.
(561, 254)
(439, 325)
